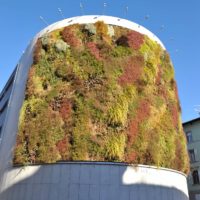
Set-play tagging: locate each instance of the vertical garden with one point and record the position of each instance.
(97, 92)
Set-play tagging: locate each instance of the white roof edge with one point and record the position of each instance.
(107, 19)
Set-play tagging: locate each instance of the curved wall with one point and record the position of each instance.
(94, 181)
(60, 180)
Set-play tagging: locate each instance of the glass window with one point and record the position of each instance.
(195, 176)
(192, 155)
(4, 107)
(189, 136)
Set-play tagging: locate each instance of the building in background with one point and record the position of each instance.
(192, 131)
(90, 89)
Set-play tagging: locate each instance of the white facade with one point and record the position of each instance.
(76, 181)
(94, 181)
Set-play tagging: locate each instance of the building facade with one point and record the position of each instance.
(91, 180)
(192, 131)
(4, 101)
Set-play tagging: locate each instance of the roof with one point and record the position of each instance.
(191, 121)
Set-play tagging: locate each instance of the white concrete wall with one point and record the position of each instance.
(77, 181)
(94, 181)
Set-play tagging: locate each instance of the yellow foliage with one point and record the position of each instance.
(156, 115)
(37, 84)
(115, 146)
(117, 114)
(102, 28)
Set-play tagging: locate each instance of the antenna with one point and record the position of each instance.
(104, 7)
(126, 11)
(162, 27)
(81, 8)
(197, 109)
(176, 50)
(147, 17)
(61, 13)
(42, 19)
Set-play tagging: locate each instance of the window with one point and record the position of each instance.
(195, 176)
(8, 85)
(192, 155)
(189, 136)
(4, 107)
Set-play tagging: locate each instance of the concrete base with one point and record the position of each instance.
(93, 181)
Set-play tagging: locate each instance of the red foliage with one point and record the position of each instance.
(92, 46)
(177, 97)
(132, 70)
(162, 91)
(174, 87)
(62, 147)
(143, 112)
(133, 129)
(178, 160)
(36, 54)
(135, 39)
(65, 109)
(159, 75)
(131, 157)
(175, 115)
(69, 36)
(29, 85)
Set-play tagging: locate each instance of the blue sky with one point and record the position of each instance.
(175, 22)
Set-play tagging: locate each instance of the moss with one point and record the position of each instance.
(121, 51)
(108, 96)
(45, 71)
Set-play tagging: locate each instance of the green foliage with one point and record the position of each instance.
(45, 71)
(167, 67)
(81, 132)
(87, 63)
(100, 100)
(121, 51)
(63, 71)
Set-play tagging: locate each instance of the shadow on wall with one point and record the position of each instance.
(71, 181)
